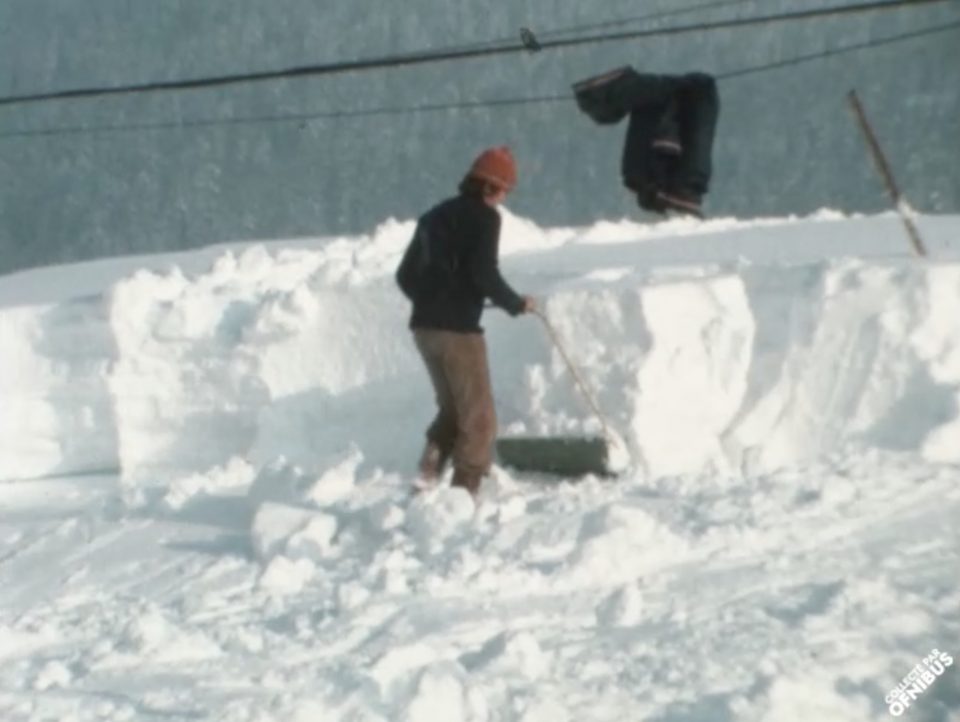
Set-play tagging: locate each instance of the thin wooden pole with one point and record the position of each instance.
(886, 174)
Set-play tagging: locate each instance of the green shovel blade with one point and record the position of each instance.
(569, 456)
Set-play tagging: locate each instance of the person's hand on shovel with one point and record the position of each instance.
(529, 304)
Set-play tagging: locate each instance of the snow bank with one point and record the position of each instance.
(720, 345)
(56, 415)
(783, 545)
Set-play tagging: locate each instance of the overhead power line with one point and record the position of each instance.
(675, 12)
(619, 22)
(457, 54)
(797, 60)
(460, 105)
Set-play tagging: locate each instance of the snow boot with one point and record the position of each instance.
(467, 480)
(433, 461)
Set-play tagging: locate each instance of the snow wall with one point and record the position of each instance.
(745, 351)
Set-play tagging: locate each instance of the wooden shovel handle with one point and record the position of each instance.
(573, 370)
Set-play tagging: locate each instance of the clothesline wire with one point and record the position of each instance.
(455, 53)
(559, 32)
(303, 118)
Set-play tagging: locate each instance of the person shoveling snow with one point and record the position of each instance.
(449, 269)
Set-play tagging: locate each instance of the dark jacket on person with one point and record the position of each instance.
(451, 266)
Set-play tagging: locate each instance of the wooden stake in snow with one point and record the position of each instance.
(886, 174)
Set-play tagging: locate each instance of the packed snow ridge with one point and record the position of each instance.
(710, 346)
(208, 459)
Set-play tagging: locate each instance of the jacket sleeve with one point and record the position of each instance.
(486, 267)
(406, 271)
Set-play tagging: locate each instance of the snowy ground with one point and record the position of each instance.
(207, 456)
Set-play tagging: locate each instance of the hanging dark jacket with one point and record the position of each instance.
(684, 107)
(451, 266)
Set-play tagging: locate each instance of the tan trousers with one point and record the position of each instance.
(466, 424)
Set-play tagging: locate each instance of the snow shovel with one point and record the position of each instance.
(568, 456)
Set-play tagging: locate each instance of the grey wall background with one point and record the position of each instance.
(786, 142)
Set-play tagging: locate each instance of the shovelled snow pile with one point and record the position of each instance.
(760, 355)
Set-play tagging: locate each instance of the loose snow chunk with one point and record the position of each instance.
(524, 653)
(619, 543)
(386, 516)
(337, 482)
(152, 633)
(285, 576)
(436, 515)
(284, 482)
(618, 455)
(546, 710)
(439, 697)
(800, 700)
(53, 674)
(352, 595)
(234, 474)
(274, 524)
(623, 608)
(513, 654)
(315, 540)
(280, 481)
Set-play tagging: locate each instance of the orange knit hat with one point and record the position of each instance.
(497, 166)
